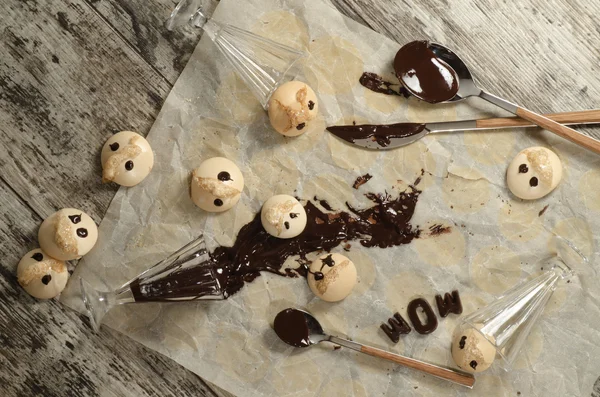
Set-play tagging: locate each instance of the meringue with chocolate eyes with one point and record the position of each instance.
(332, 277)
(68, 234)
(472, 351)
(534, 173)
(42, 276)
(127, 159)
(291, 107)
(217, 184)
(283, 216)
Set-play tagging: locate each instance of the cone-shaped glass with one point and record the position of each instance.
(185, 275)
(261, 63)
(507, 321)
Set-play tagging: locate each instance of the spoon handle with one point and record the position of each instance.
(544, 122)
(560, 130)
(576, 117)
(458, 377)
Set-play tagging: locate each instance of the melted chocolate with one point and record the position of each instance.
(376, 83)
(224, 176)
(432, 321)
(462, 342)
(382, 134)
(533, 182)
(82, 232)
(38, 256)
(385, 224)
(129, 165)
(46, 279)
(361, 180)
(450, 303)
(300, 126)
(543, 211)
(218, 202)
(523, 169)
(291, 327)
(114, 146)
(75, 219)
(324, 204)
(437, 229)
(426, 76)
(398, 326)
(311, 105)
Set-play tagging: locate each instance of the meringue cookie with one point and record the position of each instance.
(127, 159)
(40, 275)
(471, 351)
(291, 107)
(332, 277)
(534, 173)
(283, 216)
(68, 234)
(217, 184)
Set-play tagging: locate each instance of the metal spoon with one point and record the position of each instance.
(467, 87)
(303, 332)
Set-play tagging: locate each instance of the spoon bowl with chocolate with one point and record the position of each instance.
(435, 74)
(301, 329)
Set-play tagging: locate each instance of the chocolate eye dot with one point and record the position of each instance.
(114, 146)
(473, 364)
(311, 105)
(523, 169)
(300, 126)
(82, 232)
(46, 279)
(38, 256)
(218, 202)
(461, 344)
(293, 215)
(533, 182)
(75, 218)
(287, 225)
(224, 176)
(129, 165)
(319, 276)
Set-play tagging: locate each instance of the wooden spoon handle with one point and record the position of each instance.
(578, 117)
(560, 130)
(457, 377)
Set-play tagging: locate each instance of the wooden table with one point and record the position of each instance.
(74, 71)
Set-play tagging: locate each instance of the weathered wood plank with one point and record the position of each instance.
(48, 350)
(67, 81)
(141, 23)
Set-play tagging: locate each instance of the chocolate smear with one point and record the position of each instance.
(291, 327)
(376, 83)
(450, 304)
(437, 229)
(423, 74)
(384, 224)
(543, 211)
(382, 133)
(361, 180)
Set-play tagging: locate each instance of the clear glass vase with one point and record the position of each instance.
(261, 63)
(507, 321)
(186, 275)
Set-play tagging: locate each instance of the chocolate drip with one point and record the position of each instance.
(385, 224)
(398, 326)
(437, 229)
(382, 133)
(424, 74)
(432, 321)
(450, 304)
(376, 83)
(361, 180)
(291, 327)
(324, 204)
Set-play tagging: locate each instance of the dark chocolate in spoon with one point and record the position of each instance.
(426, 76)
(291, 327)
(382, 134)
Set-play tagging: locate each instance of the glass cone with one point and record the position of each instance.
(186, 275)
(261, 63)
(507, 321)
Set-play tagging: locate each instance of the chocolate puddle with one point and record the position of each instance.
(382, 134)
(425, 75)
(385, 224)
(291, 327)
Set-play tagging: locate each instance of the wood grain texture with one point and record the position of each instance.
(463, 379)
(579, 117)
(48, 350)
(560, 130)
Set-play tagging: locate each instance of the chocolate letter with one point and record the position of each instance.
(432, 322)
(450, 303)
(398, 326)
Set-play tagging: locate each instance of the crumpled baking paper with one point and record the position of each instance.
(495, 241)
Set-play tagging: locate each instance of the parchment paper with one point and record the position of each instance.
(495, 241)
